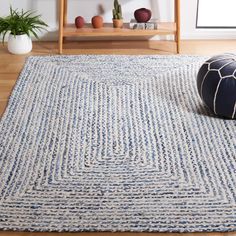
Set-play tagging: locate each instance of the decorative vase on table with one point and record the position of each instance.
(117, 15)
(79, 22)
(142, 15)
(97, 22)
(20, 24)
(19, 44)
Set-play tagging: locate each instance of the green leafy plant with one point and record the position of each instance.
(117, 11)
(20, 22)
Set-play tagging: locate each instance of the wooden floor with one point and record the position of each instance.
(11, 65)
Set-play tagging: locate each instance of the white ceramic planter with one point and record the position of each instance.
(19, 44)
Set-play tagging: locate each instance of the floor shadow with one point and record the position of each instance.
(202, 110)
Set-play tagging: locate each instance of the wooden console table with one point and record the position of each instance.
(165, 28)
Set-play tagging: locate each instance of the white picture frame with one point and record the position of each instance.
(216, 14)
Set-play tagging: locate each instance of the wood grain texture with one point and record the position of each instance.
(164, 29)
(11, 65)
(177, 21)
(62, 20)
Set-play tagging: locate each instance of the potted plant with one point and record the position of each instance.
(117, 15)
(20, 25)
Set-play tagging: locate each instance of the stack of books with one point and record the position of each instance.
(150, 25)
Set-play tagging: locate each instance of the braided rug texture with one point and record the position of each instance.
(115, 143)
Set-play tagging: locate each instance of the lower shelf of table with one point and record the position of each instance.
(164, 28)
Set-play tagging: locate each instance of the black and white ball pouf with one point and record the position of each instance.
(216, 81)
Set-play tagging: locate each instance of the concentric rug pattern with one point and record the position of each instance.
(115, 143)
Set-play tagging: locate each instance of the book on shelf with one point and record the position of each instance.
(150, 25)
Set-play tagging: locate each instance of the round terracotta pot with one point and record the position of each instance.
(97, 22)
(117, 23)
(142, 15)
(79, 22)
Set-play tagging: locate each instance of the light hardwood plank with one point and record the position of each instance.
(3, 105)
(4, 94)
(6, 84)
(164, 29)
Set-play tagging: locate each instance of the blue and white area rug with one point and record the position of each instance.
(115, 143)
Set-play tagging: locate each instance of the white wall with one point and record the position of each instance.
(161, 9)
(188, 22)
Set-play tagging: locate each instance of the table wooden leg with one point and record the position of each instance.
(61, 25)
(65, 12)
(177, 21)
